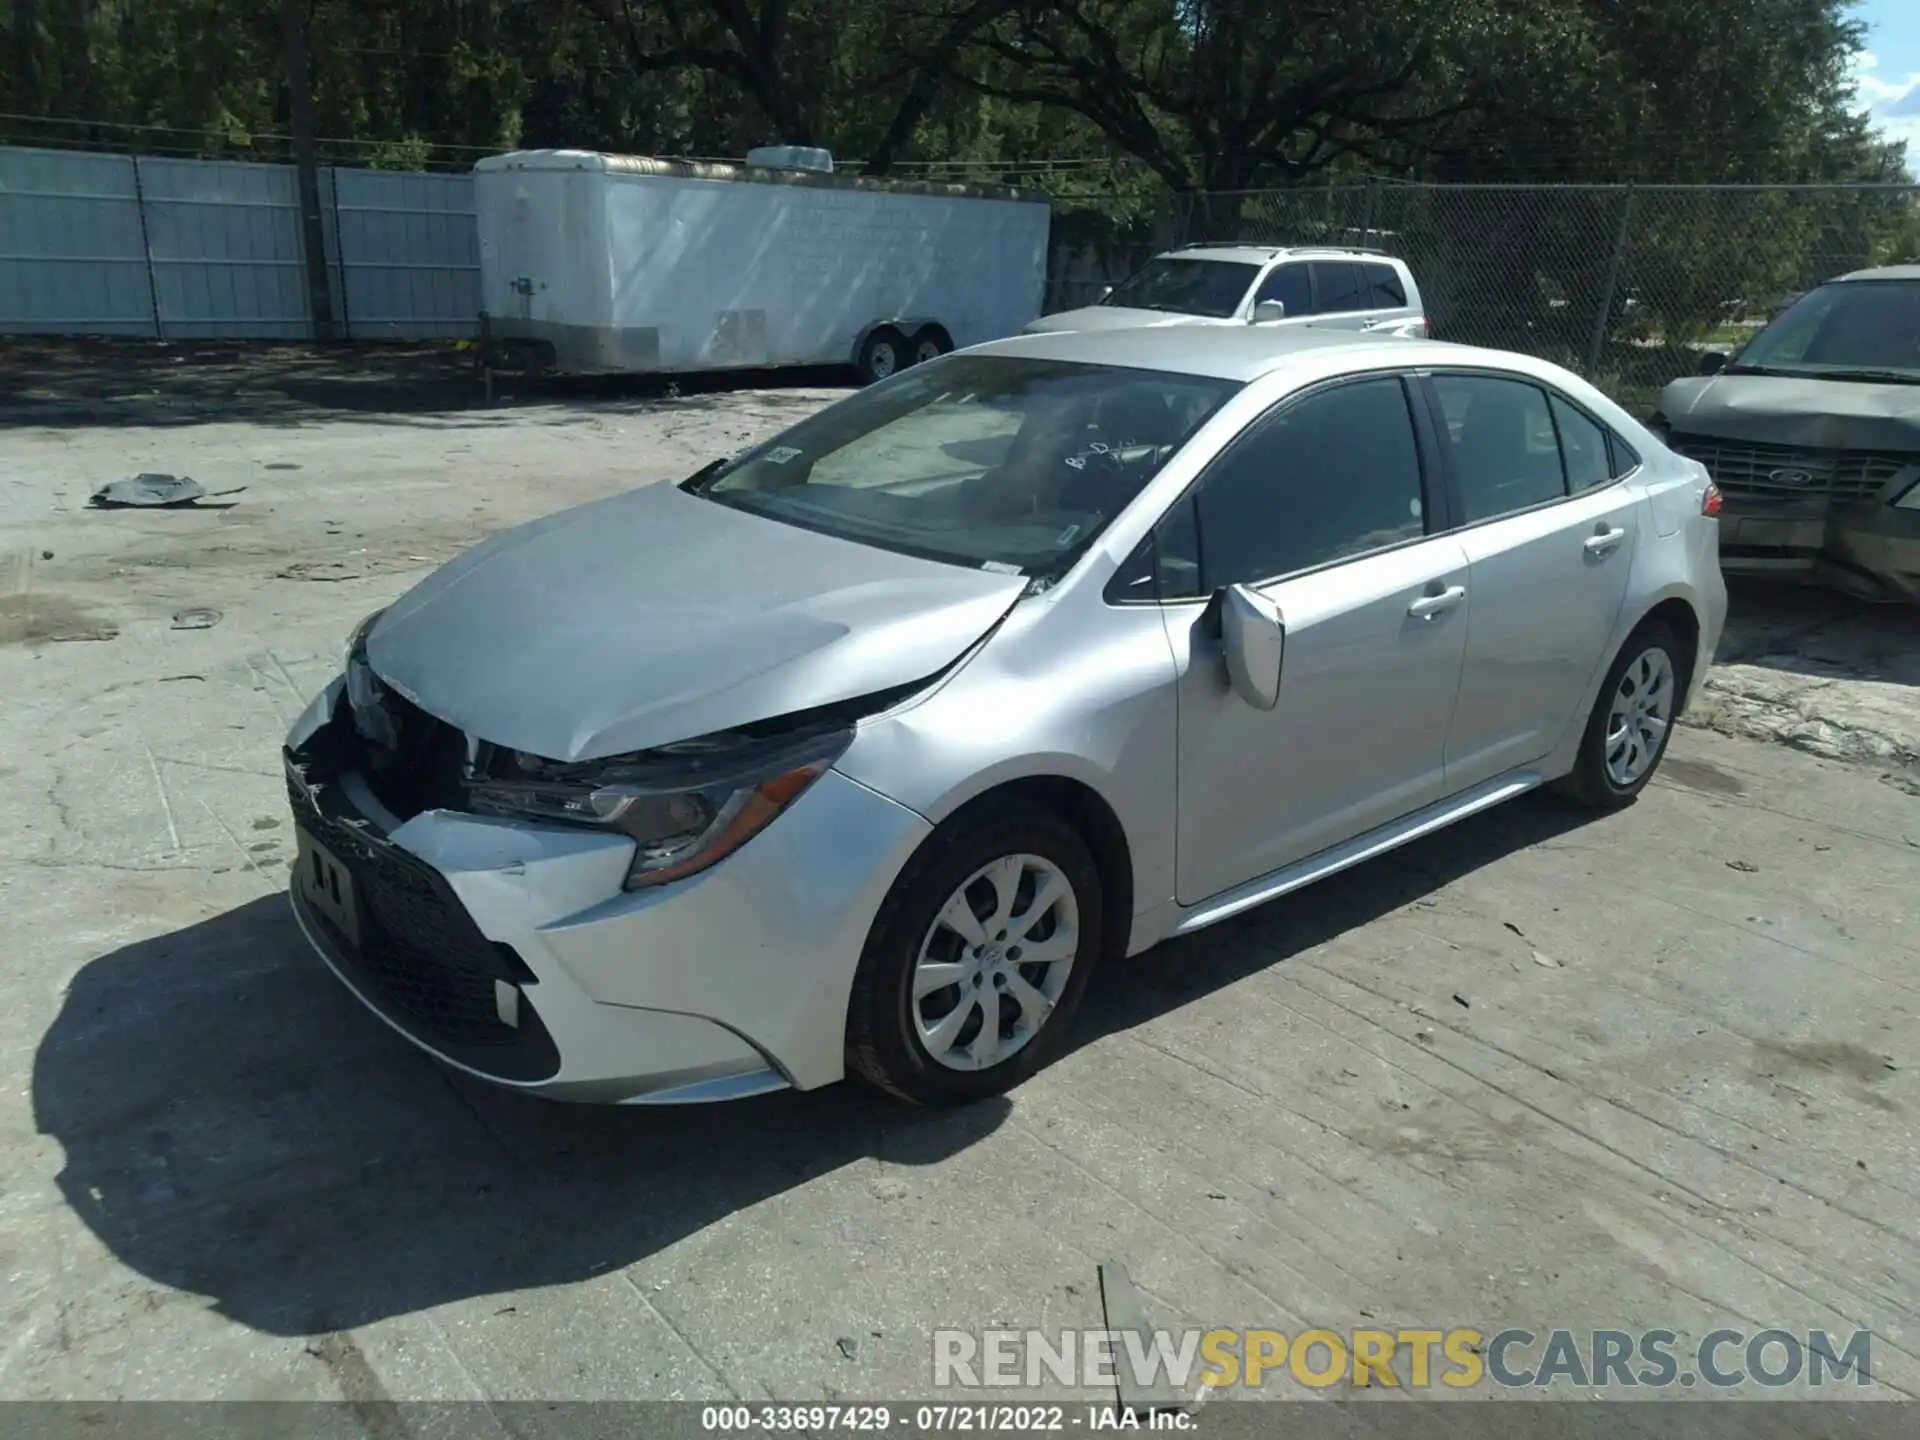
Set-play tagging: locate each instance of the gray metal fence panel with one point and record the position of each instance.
(226, 248)
(72, 257)
(410, 254)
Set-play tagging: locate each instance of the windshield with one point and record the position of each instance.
(1191, 287)
(1853, 325)
(982, 460)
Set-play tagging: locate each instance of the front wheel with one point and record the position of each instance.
(978, 959)
(1632, 720)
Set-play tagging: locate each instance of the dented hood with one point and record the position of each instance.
(1789, 410)
(657, 616)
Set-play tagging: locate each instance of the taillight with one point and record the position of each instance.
(1710, 500)
(1420, 330)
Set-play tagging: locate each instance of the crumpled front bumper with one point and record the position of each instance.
(1868, 549)
(731, 982)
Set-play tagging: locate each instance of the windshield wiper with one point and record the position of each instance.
(697, 483)
(1871, 377)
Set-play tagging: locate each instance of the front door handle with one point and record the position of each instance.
(1428, 607)
(1604, 542)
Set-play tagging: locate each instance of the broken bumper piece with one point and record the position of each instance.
(511, 951)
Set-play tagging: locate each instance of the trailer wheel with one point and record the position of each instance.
(930, 342)
(882, 353)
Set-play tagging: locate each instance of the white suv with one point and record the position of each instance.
(1340, 289)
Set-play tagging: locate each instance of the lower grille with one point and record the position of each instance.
(420, 954)
(1781, 472)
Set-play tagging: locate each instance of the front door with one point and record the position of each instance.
(1322, 506)
(1549, 534)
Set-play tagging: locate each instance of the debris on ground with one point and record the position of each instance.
(196, 618)
(153, 490)
(849, 1347)
(1546, 961)
(1745, 867)
(149, 488)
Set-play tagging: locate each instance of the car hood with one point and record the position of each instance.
(1113, 317)
(1788, 410)
(655, 616)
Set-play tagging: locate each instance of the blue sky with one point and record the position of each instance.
(1887, 72)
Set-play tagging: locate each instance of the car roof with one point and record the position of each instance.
(1233, 352)
(1261, 254)
(1886, 272)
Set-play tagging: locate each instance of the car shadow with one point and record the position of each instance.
(1802, 630)
(234, 1124)
(1132, 991)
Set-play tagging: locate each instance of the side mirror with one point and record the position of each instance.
(1714, 361)
(1255, 640)
(1265, 312)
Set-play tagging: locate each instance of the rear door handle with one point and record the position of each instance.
(1427, 607)
(1604, 542)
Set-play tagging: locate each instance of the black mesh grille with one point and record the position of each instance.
(1781, 472)
(419, 953)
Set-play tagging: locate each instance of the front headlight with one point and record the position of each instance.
(686, 807)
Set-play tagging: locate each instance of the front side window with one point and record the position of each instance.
(1506, 454)
(1186, 286)
(1332, 475)
(1848, 326)
(975, 459)
(1289, 285)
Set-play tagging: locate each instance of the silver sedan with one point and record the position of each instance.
(860, 751)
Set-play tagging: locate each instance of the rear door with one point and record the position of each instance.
(1326, 507)
(1549, 533)
(1339, 295)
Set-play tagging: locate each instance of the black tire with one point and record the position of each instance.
(882, 353)
(1590, 782)
(928, 343)
(883, 1046)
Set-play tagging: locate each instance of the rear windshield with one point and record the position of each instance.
(990, 461)
(1852, 325)
(1189, 286)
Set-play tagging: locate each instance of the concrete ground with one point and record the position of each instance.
(1657, 1070)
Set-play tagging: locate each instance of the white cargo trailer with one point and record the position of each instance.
(595, 263)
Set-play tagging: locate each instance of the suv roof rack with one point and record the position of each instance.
(1271, 248)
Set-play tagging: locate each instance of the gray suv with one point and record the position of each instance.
(1311, 286)
(1812, 432)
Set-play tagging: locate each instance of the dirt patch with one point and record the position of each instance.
(41, 619)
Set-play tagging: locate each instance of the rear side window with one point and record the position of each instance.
(1506, 453)
(1332, 475)
(1583, 448)
(1384, 290)
(1339, 286)
(1625, 460)
(1288, 285)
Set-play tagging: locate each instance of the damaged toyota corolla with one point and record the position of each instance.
(856, 753)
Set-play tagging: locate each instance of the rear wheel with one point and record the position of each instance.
(881, 353)
(978, 960)
(930, 342)
(1632, 720)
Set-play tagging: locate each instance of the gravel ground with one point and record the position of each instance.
(1660, 1069)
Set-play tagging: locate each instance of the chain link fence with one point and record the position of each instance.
(1625, 284)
